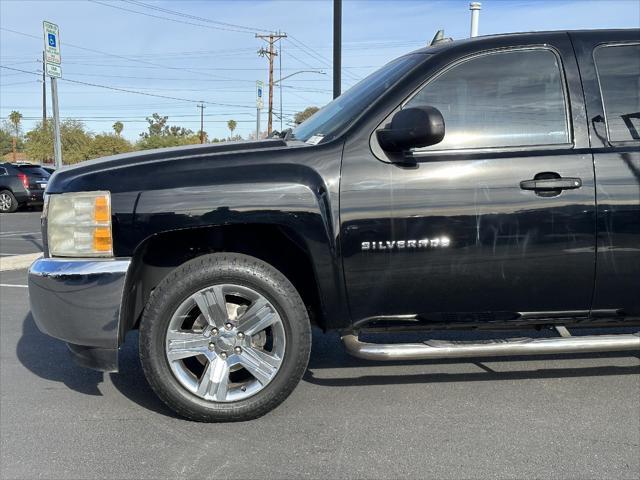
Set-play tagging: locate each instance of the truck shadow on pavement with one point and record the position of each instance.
(328, 354)
(49, 359)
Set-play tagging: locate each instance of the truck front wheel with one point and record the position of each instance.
(224, 337)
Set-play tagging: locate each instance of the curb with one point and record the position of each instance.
(18, 262)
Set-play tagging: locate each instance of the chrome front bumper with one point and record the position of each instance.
(79, 302)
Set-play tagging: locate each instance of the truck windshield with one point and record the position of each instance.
(335, 116)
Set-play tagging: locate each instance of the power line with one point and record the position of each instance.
(194, 17)
(312, 53)
(211, 27)
(135, 91)
(67, 44)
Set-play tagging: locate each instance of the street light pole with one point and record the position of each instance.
(279, 84)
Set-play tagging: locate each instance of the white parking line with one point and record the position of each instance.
(17, 234)
(12, 285)
(8, 254)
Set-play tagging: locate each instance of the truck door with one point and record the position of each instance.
(497, 221)
(610, 68)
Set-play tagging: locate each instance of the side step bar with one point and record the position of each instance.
(437, 349)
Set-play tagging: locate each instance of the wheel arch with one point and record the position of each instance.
(279, 245)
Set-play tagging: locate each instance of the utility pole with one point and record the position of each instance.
(44, 92)
(201, 107)
(271, 39)
(280, 84)
(337, 47)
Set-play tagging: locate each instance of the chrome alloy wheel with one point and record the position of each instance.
(5, 202)
(225, 343)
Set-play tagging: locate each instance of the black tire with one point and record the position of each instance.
(13, 203)
(200, 273)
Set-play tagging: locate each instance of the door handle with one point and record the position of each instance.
(560, 183)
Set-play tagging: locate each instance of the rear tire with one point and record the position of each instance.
(8, 202)
(197, 358)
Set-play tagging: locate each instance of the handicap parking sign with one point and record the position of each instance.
(51, 42)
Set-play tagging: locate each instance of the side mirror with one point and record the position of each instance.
(411, 128)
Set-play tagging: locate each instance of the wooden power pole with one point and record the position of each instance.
(270, 53)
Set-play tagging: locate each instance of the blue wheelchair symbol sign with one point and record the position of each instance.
(259, 93)
(52, 40)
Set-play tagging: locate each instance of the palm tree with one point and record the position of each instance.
(118, 127)
(15, 117)
(231, 125)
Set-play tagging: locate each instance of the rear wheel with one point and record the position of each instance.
(8, 202)
(224, 337)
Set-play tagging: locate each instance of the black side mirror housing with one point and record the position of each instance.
(412, 128)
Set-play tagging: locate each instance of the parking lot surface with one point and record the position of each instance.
(574, 416)
(20, 233)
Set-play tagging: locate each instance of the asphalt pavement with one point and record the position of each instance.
(571, 416)
(20, 233)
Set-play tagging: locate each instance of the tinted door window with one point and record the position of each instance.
(504, 99)
(619, 75)
(3, 171)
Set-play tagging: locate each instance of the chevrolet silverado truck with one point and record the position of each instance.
(488, 183)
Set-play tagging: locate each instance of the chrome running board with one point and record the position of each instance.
(437, 349)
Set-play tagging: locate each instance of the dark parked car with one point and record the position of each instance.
(21, 184)
(490, 183)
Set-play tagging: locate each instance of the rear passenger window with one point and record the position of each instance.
(619, 75)
(503, 99)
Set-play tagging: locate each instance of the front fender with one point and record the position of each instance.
(298, 201)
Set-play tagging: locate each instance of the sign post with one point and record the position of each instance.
(54, 71)
(259, 105)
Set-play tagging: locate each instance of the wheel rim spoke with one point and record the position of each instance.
(258, 317)
(181, 345)
(214, 383)
(231, 362)
(257, 365)
(213, 306)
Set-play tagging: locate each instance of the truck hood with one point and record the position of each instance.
(63, 179)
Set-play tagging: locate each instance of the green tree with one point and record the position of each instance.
(15, 118)
(231, 125)
(159, 134)
(76, 142)
(106, 144)
(118, 127)
(303, 115)
(6, 139)
(157, 126)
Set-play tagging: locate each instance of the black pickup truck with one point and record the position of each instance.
(489, 183)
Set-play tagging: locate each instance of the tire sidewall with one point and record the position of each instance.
(218, 269)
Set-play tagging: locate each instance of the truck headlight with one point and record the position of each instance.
(79, 224)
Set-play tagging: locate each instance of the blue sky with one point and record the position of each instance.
(154, 52)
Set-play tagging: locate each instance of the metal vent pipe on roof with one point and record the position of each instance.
(475, 8)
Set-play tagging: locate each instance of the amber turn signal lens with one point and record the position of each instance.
(102, 239)
(101, 212)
